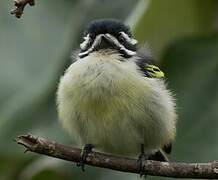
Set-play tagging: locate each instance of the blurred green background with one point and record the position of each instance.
(35, 50)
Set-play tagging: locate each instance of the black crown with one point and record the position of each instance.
(103, 26)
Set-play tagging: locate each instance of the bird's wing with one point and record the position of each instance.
(150, 69)
(147, 64)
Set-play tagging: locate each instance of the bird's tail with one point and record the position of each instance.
(159, 156)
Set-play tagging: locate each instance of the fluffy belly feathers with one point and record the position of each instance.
(115, 109)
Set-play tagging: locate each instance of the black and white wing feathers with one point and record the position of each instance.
(147, 65)
(150, 69)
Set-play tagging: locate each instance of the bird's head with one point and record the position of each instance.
(108, 34)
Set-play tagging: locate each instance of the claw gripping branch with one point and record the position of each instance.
(155, 168)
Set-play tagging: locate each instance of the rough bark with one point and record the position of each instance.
(155, 168)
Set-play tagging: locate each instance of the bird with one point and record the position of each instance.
(113, 97)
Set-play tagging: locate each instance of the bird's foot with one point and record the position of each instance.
(141, 162)
(84, 153)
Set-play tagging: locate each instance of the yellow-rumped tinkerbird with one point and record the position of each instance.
(113, 96)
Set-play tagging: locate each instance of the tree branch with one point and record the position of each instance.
(20, 5)
(155, 168)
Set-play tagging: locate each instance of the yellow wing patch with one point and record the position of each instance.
(154, 71)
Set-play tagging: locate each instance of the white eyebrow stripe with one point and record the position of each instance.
(117, 43)
(129, 52)
(85, 42)
(92, 47)
(128, 39)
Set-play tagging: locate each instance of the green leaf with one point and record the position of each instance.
(165, 21)
(191, 67)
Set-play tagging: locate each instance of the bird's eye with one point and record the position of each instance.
(121, 39)
(92, 36)
(90, 43)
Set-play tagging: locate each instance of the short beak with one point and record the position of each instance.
(104, 43)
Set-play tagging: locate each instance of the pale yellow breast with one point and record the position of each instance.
(102, 101)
